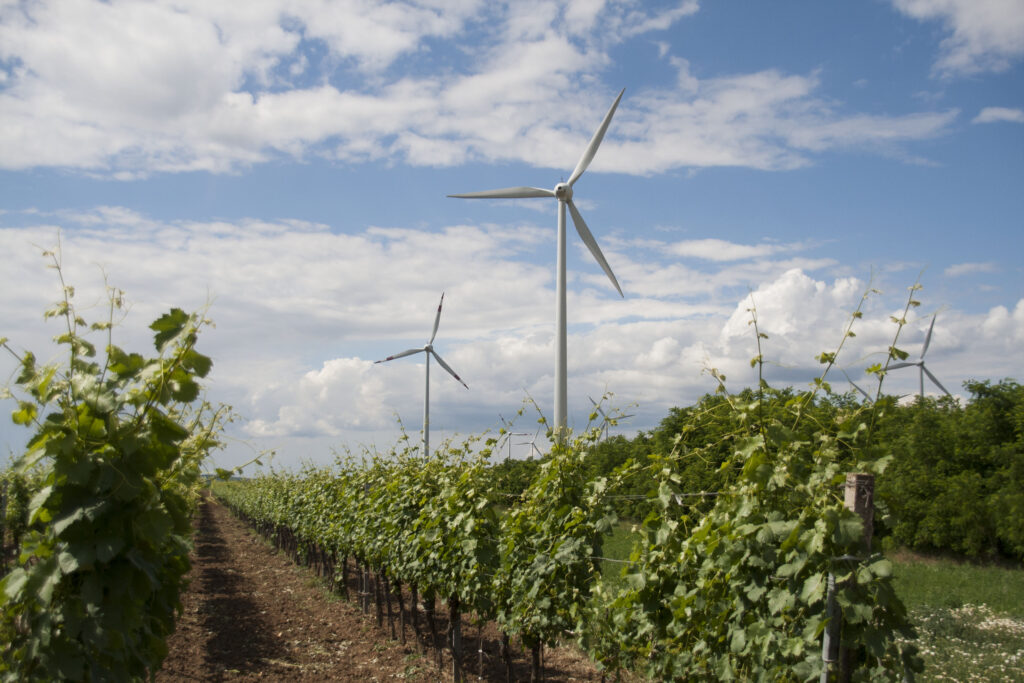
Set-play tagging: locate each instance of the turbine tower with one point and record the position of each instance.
(922, 370)
(428, 350)
(563, 193)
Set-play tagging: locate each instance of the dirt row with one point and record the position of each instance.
(251, 614)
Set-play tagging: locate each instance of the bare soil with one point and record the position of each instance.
(251, 614)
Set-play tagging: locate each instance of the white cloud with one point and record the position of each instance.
(999, 114)
(297, 329)
(985, 35)
(344, 394)
(959, 269)
(721, 250)
(131, 88)
(1004, 326)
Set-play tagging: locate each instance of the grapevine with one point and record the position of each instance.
(116, 453)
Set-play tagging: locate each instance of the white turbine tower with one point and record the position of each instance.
(428, 350)
(563, 193)
(922, 370)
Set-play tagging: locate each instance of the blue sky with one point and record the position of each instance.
(289, 162)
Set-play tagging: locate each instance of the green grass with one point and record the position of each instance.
(969, 618)
(924, 582)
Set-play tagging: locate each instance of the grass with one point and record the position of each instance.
(969, 618)
(926, 582)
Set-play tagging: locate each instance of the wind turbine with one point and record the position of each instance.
(508, 436)
(920, 363)
(428, 350)
(532, 443)
(563, 193)
(604, 417)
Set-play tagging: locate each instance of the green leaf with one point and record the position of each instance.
(850, 530)
(108, 548)
(25, 414)
(80, 513)
(13, 583)
(813, 589)
(124, 364)
(881, 568)
(738, 640)
(168, 327)
(68, 562)
(897, 354)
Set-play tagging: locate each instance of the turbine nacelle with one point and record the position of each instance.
(563, 192)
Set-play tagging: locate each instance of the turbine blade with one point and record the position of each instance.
(588, 239)
(894, 366)
(854, 385)
(928, 339)
(403, 354)
(935, 380)
(440, 361)
(437, 319)
(595, 142)
(864, 393)
(507, 193)
(598, 408)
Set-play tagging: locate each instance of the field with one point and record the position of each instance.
(252, 615)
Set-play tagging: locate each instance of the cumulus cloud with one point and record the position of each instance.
(131, 88)
(1005, 325)
(297, 329)
(984, 35)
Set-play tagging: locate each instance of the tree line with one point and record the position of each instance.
(954, 484)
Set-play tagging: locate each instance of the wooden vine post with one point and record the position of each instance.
(3, 526)
(859, 496)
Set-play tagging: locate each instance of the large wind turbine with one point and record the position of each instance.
(428, 350)
(563, 193)
(920, 363)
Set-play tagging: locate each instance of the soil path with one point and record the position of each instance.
(250, 614)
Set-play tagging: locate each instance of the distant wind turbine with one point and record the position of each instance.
(920, 363)
(532, 443)
(563, 193)
(428, 350)
(606, 421)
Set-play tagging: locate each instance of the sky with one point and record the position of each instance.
(287, 163)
